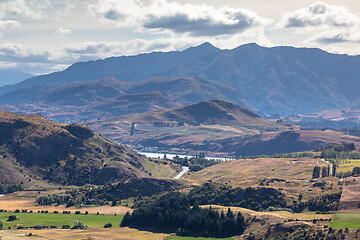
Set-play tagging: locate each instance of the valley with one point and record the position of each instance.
(239, 147)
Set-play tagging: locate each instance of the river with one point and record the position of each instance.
(171, 156)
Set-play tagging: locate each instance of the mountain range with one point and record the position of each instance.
(283, 80)
(8, 77)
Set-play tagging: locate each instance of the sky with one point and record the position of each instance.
(42, 36)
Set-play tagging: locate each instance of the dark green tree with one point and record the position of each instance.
(316, 172)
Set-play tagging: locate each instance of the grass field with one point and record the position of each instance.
(195, 238)
(347, 165)
(284, 215)
(346, 220)
(50, 219)
(95, 233)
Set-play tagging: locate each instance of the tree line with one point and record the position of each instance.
(173, 213)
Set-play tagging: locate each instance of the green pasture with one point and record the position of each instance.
(346, 220)
(50, 219)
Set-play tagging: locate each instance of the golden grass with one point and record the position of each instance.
(114, 233)
(18, 235)
(12, 205)
(279, 214)
(158, 170)
(347, 165)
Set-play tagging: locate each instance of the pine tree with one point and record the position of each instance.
(240, 223)
(316, 172)
(126, 220)
(324, 172)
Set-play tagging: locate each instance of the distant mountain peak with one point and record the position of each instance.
(207, 44)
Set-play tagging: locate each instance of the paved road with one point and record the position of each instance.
(184, 170)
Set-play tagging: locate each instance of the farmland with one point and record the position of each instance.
(346, 220)
(346, 166)
(51, 219)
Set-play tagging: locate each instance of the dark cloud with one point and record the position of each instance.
(183, 23)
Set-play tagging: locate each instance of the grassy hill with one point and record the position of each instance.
(190, 127)
(33, 149)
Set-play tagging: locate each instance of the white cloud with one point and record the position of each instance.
(332, 37)
(320, 14)
(7, 65)
(161, 15)
(62, 31)
(324, 24)
(30, 9)
(8, 24)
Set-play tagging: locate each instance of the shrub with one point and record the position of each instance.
(108, 225)
(78, 225)
(12, 218)
(65, 227)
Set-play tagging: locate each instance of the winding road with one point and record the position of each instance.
(184, 170)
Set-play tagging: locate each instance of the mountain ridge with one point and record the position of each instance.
(282, 79)
(130, 70)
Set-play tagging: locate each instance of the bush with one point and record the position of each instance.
(78, 225)
(65, 227)
(108, 225)
(12, 218)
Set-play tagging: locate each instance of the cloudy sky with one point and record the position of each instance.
(41, 36)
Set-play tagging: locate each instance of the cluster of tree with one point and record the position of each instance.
(100, 195)
(329, 202)
(325, 171)
(173, 213)
(58, 199)
(295, 155)
(252, 198)
(355, 171)
(340, 150)
(259, 199)
(196, 163)
(10, 188)
(168, 124)
(352, 131)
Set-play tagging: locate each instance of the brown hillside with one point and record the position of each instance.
(80, 94)
(189, 128)
(131, 103)
(215, 111)
(31, 145)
